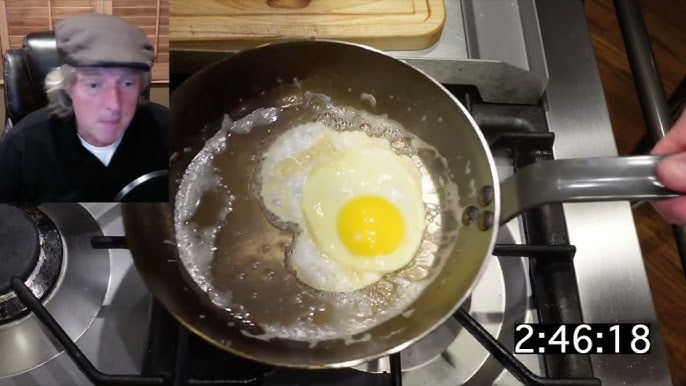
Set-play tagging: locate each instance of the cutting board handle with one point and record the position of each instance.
(289, 4)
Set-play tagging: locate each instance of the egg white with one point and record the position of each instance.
(285, 169)
(322, 273)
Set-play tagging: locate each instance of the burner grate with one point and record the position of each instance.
(19, 245)
(30, 249)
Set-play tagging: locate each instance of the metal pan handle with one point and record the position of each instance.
(582, 180)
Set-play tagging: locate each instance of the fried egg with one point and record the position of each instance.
(364, 209)
(301, 186)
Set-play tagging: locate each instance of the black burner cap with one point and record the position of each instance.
(19, 245)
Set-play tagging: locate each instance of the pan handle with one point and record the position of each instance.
(582, 180)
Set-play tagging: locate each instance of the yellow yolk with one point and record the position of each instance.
(370, 226)
(364, 209)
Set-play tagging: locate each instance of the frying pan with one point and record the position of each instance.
(246, 81)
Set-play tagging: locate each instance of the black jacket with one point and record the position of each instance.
(42, 159)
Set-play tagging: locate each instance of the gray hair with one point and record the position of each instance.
(59, 79)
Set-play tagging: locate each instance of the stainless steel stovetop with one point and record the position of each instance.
(99, 299)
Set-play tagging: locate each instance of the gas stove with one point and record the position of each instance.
(96, 296)
(526, 71)
(100, 301)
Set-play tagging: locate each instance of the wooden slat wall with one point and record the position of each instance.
(24, 16)
(19, 17)
(4, 30)
(153, 17)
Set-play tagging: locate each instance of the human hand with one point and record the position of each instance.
(671, 171)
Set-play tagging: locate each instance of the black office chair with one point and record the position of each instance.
(24, 75)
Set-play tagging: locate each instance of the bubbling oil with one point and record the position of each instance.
(238, 252)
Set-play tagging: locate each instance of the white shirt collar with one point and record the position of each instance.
(103, 153)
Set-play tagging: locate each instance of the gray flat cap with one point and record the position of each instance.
(94, 39)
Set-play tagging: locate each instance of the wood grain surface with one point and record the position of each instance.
(666, 23)
(235, 24)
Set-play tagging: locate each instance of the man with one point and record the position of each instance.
(672, 171)
(96, 136)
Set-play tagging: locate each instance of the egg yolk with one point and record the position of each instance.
(370, 226)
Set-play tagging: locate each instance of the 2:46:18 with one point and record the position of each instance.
(585, 338)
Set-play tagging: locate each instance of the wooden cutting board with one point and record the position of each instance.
(235, 24)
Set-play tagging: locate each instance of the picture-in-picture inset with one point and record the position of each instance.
(83, 120)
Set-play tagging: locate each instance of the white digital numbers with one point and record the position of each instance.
(615, 332)
(528, 330)
(590, 338)
(640, 333)
(582, 343)
(559, 338)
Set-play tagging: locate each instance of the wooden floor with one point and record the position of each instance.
(666, 23)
